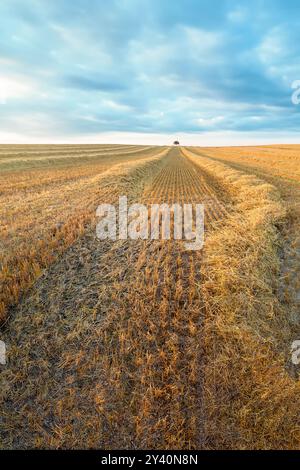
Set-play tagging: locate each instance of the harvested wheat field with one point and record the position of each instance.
(144, 344)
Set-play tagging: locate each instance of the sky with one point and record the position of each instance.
(217, 72)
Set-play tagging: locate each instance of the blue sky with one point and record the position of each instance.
(208, 72)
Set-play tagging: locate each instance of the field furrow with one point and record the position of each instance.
(181, 181)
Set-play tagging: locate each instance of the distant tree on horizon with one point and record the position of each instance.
(176, 142)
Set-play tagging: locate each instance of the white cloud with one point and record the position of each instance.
(15, 87)
(210, 121)
(201, 40)
(7, 61)
(271, 47)
(73, 43)
(238, 15)
(114, 105)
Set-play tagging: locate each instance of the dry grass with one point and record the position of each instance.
(152, 348)
(139, 344)
(44, 210)
(114, 356)
(279, 165)
(251, 400)
(283, 161)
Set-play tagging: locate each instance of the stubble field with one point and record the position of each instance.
(140, 343)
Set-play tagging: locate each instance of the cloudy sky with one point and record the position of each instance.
(207, 72)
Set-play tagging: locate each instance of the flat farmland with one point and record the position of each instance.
(47, 195)
(143, 343)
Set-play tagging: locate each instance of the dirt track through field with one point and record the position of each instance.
(112, 353)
